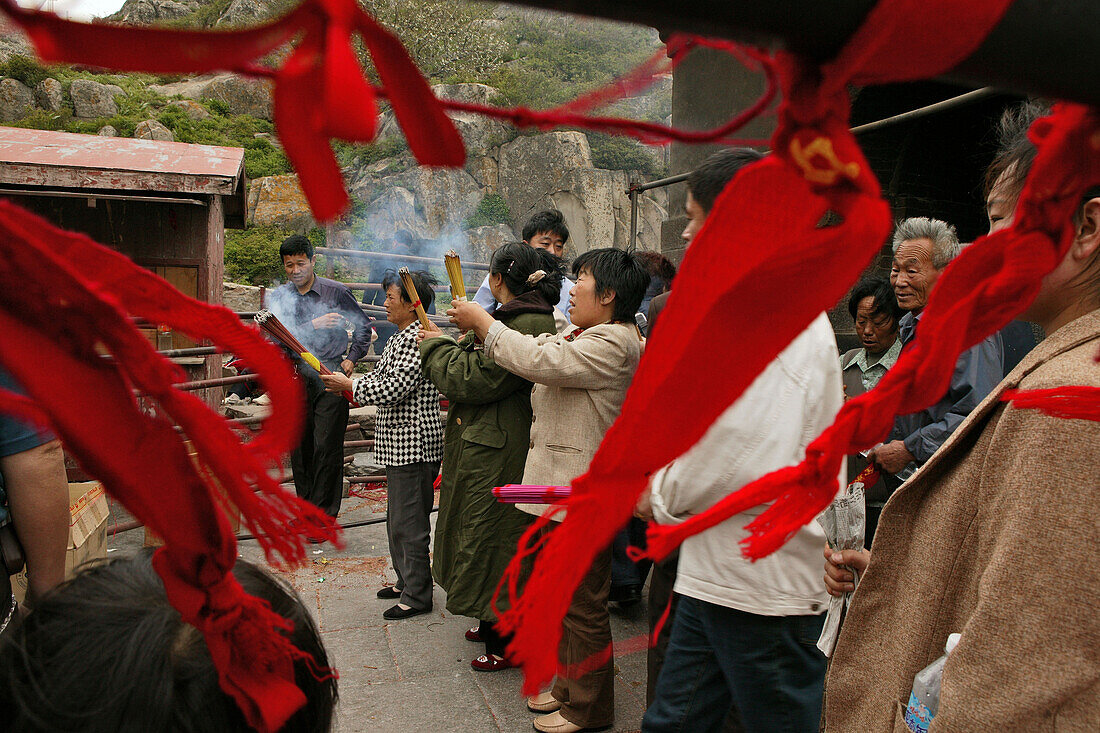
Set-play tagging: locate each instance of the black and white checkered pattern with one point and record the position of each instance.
(409, 428)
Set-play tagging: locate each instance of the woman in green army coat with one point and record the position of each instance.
(486, 442)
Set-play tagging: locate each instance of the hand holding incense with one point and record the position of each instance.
(413, 296)
(272, 326)
(454, 274)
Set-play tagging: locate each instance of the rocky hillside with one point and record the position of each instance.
(508, 176)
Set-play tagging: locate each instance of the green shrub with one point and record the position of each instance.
(252, 255)
(493, 209)
(25, 70)
(621, 154)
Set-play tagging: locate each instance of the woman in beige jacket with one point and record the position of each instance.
(581, 376)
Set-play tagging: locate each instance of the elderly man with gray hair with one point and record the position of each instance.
(923, 247)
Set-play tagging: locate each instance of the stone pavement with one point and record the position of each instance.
(414, 675)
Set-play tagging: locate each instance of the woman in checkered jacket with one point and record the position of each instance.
(408, 442)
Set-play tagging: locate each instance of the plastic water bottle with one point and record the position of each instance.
(924, 700)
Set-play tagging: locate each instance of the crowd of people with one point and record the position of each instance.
(968, 488)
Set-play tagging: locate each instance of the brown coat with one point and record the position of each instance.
(996, 537)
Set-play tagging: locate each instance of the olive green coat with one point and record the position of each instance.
(485, 445)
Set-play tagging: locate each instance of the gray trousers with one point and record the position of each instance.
(409, 498)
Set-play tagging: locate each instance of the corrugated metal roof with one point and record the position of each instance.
(67, 150)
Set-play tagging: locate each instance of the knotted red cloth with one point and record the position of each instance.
(71, 300)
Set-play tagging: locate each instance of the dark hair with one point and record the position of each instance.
(423, 282)
(712, 175)
(550, 221)
(296, 244)
(1015, 152)
(516, 261)
(658, 266)
(106, 652)
(620, 272)
(885, 300)
(1013, 160)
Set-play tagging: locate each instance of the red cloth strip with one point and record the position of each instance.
(75, 300)
(1073, 403)
(762, 238)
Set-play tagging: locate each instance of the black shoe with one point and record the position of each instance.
(625, 595)
(397, 613)
(389, 591)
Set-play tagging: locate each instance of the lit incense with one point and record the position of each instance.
(272, 326)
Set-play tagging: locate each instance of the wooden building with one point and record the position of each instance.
(165, 205)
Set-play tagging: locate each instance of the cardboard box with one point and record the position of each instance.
(88, 512)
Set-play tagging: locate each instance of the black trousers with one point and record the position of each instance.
(409, 495)
(318, 461)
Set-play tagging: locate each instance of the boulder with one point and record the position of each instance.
(480, 134)
(394, 209)
(483, 241)
(243, 12)
(597, 211)
(241, 96)
(107, 131)
(444, 198)
(92, 99)
(153, 130)
(13, 42)
(279, 201)
(16, 100)
(486, 171)
(241, 298)
(191, 108)
(531, 166)
(147, 12)
(48, 95)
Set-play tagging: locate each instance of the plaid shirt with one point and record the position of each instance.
(409, 427)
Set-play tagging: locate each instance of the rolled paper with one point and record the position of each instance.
(454, 274)
(414, 297)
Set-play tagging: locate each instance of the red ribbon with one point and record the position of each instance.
(763, 237)
(75, 300)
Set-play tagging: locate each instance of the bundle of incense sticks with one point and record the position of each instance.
(530, 494)
(410, 291)
(454, 274)
(272, 326)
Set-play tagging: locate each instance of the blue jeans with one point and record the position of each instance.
(766, 666)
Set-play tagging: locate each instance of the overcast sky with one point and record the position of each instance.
(77, 9)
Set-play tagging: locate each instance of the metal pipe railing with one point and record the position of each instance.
(363, 254)
(913, 114)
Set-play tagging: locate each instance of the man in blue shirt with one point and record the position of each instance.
(922, 249)
(545, 230)
(320, 313)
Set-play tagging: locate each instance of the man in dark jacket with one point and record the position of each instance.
(922, 249)
(318, 312)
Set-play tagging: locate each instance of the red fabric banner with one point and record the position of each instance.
(73, 303)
